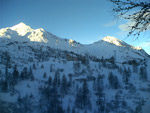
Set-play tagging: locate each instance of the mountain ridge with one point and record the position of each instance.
(106, 47)
(19, 28)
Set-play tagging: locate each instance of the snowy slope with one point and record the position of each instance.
(27, 87)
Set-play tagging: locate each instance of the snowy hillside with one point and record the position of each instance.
(42, 73)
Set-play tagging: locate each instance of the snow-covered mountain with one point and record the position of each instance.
(42, 73)
(107, 47)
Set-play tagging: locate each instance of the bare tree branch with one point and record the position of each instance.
(135, 11)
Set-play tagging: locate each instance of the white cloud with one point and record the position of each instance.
(110, 24)
(126, 27)
(145, 44)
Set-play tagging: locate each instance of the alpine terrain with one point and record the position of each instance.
(42, 73)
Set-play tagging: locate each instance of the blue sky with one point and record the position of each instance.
(85, 21)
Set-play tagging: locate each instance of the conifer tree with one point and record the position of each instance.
(5, 86)
(113, 81)
(143, 73)
(82, 100)
(100, 102)
(68, 109)
(44, 75)
(34, 66)
(56, 81)
(15, 72)
(64, 85)
(42, 66)
(50, 80)
(73, 110)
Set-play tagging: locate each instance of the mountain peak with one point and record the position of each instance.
(21, 28)
(110, 39)
(114, 40)
(20, 25)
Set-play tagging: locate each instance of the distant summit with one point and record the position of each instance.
(114, 40)
(21, 28)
